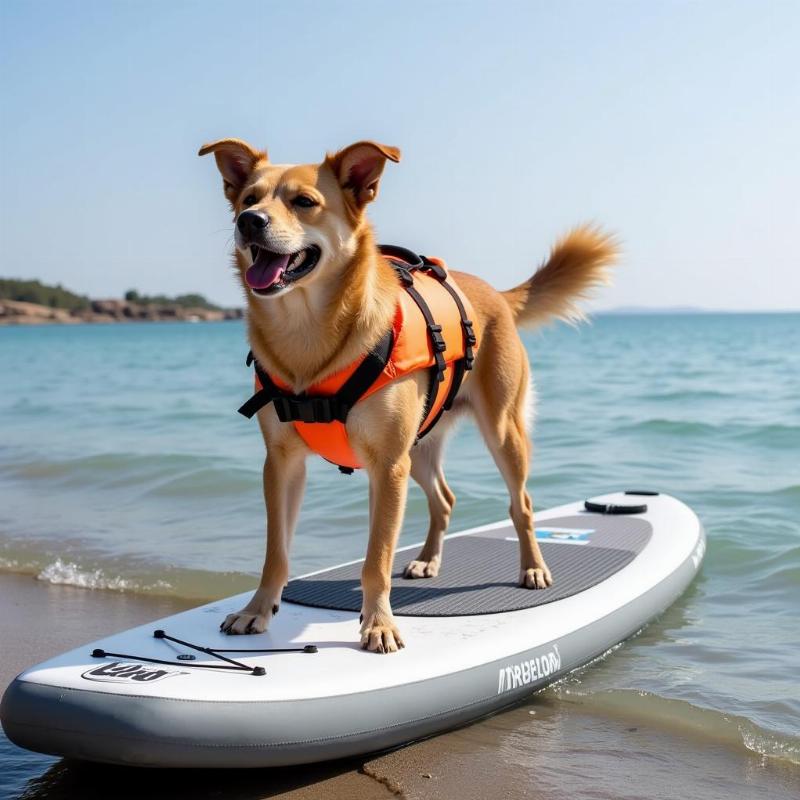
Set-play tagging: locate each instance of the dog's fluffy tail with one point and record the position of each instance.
(578, 262)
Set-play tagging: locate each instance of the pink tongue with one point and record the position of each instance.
(266, 270)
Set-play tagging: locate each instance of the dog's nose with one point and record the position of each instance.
(252, 223)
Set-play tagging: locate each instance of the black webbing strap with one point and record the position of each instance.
(214, 652)
(465, 364)
(438, 344)
(367, 372)
(264, 396)
(466, 325)
(325, 408)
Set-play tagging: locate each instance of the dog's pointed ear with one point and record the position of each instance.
(359, 167)
(235, 161)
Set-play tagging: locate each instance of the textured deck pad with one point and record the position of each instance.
(479, 572)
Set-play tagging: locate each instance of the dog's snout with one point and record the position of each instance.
(252, 223)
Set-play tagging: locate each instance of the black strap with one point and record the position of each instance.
(465, 364)
(214, 652)
(264, 396)
(470, 339)
(367, 372)
(438, 344)
(326, 408)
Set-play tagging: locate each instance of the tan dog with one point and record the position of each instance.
(324, 296)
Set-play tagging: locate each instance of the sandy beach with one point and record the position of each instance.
(550, 747)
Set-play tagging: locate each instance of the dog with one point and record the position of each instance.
(324, 297)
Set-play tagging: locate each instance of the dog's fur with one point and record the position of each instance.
(330, 317)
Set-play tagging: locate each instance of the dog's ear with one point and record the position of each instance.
(235, 161)
(359, 167)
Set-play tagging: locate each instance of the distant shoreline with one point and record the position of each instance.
(22, 313)
(685, 311)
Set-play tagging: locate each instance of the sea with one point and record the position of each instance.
(124, 467)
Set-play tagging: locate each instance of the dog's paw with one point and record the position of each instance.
(423, 569)
(247, 621)
(535, 578)
(379, 635)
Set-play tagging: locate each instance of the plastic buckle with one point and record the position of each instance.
(469, 333)
(404, 274)
(306, 409)
(439, 344)
(323, 411)
(431, 266)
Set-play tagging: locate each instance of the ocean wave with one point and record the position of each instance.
(682, 717)
(670, 427)
(783, 437)
(209, 482)
(788, 492)
(42, 560)
(101, 467)
(682, 395)
(68, 573)
(772, 435)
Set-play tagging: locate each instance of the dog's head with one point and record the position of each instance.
(296, 225)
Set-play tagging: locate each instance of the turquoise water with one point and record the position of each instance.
(124, 466)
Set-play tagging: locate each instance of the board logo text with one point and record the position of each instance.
(529, 671)
(122, 672)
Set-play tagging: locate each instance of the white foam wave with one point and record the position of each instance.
(68, 573)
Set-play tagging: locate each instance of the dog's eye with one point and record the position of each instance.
(250, 200)
(304, 201)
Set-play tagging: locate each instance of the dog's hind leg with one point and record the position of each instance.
(502, 421)
(426, 470)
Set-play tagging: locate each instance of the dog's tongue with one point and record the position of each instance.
(266, 269)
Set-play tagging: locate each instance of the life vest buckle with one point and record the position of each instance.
(403, 273)
(469, 332)
(310, 409)
(439, 344)
(431, 266)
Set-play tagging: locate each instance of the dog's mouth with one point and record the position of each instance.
(272, 272)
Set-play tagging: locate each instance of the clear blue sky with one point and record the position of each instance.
(676, 124)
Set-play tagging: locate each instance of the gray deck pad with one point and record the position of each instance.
(479, 571)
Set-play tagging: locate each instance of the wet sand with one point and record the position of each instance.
(546, 748)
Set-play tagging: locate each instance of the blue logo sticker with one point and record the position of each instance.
(561, 535)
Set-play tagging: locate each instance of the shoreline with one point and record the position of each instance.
(24, 313)
(547, 747)
(38, 322)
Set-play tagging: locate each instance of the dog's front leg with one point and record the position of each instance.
(284, 481)
(388, 489)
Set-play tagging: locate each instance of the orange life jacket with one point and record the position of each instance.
(432, 330)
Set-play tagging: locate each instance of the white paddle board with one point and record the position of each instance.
(157, 695)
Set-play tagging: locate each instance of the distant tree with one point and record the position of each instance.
(37, 292)
(183, 300)
(59, 297)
